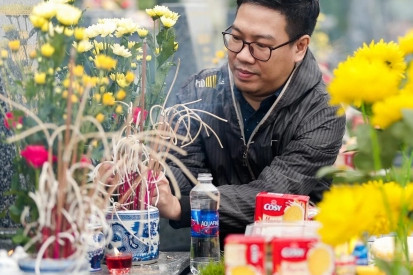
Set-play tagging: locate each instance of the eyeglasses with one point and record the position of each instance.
(259, 51)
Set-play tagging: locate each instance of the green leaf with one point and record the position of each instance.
(19, 238)
(389, 146)
(15, 213)
(327, 172)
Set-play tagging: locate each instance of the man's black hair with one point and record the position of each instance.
(301, 15)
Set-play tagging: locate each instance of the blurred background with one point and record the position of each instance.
(343, 27)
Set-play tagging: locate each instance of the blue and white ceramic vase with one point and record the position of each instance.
(136, 232)
(96, 248)
(30, 266)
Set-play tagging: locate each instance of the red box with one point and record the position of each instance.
(246, 254)
(301, 256)
(280, 207)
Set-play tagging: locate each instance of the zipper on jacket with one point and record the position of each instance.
(244, 158)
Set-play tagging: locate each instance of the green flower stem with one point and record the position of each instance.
(374, 139)
(376, 149)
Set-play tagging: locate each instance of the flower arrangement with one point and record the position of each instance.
(376, 196)
(90, 95)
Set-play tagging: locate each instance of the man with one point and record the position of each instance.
(280, 129)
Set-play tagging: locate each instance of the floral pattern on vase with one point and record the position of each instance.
(137, 232)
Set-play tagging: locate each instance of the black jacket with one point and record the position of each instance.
(300, 134)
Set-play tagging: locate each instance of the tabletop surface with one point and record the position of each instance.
(169, 263)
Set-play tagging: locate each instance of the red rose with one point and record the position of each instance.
(137, 115)
(11, 122)
(35, 155)
(125, 4)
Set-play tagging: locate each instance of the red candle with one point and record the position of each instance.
(119, 263)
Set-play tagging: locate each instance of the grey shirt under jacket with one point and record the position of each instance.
(299, 134)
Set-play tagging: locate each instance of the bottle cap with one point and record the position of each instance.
(204, 177)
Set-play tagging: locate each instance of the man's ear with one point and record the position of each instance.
(301, 46)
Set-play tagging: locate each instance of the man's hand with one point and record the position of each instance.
(167, 203)
(106, 173)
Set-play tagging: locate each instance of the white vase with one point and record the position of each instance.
(95, 248)
(136, 232)
(54, 266)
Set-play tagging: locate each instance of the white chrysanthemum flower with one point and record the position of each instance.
(102, 29)
(45, 9)
(126, 27)
(121, 50)
(167, 22)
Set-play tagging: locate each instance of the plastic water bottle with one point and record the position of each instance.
(204, 199)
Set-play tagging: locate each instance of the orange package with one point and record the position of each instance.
(281, 207)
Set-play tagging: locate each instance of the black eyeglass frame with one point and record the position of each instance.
(249, 45)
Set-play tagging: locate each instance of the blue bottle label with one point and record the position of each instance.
(204, 223)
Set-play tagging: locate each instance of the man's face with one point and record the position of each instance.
(255, 23)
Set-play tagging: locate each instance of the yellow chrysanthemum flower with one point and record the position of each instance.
(172, 15)
(157, 11)
(406, 43)
(359, 80)
(37, 21)
(104, 62)
(148, 57)
(100, 117)
(121, 80)
(142, 32)
(119, 109)
(68, 32)
(89, 80)
(121, 94)
(389, 111)
(80, 33)
(46, 26)
(349, 201)
(4, 54)
(108, 99)
(389, 54)
(68, 15)
(129, 76)
(97, 97)
(40, 78)
(103, 81)
(14, 45)
(167, 22)
(33, 54)
(47, 50)
(133, 65)
(78, 70)
(151, 13)
(83, 46)
(131, 44)
(74, 98)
